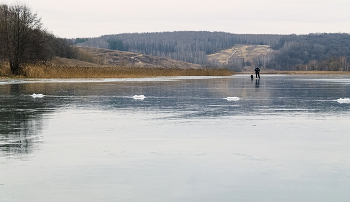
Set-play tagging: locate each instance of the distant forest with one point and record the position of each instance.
(188, 46)
(312, 52)
(291, 52)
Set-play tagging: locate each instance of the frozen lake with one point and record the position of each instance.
(287, 138)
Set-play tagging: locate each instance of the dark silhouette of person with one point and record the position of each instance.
(257, 72)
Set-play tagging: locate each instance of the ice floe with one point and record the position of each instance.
(343, 100)
(37, 95)
(138, 97)
(232, 98)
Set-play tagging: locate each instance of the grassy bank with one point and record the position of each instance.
(42, 71)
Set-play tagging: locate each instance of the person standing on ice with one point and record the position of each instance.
(257, 72)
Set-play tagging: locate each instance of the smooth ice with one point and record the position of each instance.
(283, 138)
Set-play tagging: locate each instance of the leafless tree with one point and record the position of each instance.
(22, 37)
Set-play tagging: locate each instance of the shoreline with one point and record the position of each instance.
(66, 72)
(297, 72)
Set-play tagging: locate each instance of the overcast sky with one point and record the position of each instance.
(93, 18)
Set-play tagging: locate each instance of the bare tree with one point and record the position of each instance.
(22, 37)
(344, 63)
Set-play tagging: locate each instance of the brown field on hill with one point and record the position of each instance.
(239, 51)
(122, 58)
(105, 63)
(45, 71)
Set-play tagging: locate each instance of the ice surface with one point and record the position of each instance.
(287, 139)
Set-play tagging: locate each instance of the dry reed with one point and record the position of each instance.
(42, 71)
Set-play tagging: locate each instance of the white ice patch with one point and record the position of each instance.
(165, 78)
(232, 98)
(343, 100)
(138, 97)
(37, 95)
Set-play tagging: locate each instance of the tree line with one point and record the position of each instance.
(23, 40)
(320, 51)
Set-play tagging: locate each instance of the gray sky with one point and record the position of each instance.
(93, 18)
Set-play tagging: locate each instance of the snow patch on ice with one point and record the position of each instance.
(37, 95)
(343, 100)
(138, 97)
(232, 98)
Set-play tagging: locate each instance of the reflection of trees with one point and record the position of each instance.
(20, 119)
(19, 131)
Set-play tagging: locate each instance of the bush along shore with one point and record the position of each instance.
(47, 71)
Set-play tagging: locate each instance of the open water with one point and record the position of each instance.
(287, 138)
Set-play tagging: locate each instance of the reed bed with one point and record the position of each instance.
(43, 71)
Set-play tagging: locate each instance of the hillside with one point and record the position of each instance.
(188, 46)
(245, 53)
(107, 57)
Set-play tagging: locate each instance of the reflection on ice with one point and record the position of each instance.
(20, 134)
(338, 80)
